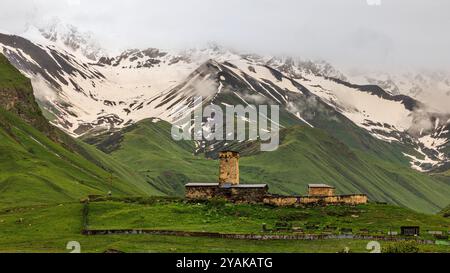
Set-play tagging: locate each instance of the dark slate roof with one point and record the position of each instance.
(202, 185)
(249, 186)
(320, 186)
(226, 185)
(230, 151)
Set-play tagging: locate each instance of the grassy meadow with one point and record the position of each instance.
(48, 228)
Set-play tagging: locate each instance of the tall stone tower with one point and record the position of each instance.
(228, 168)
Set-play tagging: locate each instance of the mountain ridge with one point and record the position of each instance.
(40, 164)
(305, 155)
(148, 83)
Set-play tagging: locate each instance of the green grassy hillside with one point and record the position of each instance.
(147, 148)
(225, 217)
(44, 172)
(445, 212)
(309, 155)
(10, 77)
(40, 164)
(306, 155)
(38, 170)
(49, 228)
(330, 121)
(16, 96)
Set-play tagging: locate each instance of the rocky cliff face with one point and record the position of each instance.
(16, 96)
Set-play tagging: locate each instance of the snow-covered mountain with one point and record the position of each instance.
(81, 89)
(430, 87)
(67, 37)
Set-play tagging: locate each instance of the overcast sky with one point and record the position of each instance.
(345, 32)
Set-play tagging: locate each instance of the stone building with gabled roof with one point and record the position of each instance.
(321, 190)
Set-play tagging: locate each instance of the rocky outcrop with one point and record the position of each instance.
(16, 96)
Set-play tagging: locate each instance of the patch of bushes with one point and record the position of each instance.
(294, 216)
(147, 200)
(341, 211)
(217, 202)
(446, 212)
(401, 247)
(85, 215)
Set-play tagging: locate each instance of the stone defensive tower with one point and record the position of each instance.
(228, 168)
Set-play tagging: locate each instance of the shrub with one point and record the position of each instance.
(345, 250)
(217, 202)
(293, 216)
(401, 247)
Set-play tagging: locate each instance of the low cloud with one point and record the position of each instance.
(254, 98)
(309, 108)
(205, 87)
(346, 33)
(43, 91)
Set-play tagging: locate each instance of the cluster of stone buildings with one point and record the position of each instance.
(229, 188)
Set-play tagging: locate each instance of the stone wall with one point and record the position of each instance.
(248, 194)
(351, 199)
(321, 191)
(245, 195)
(201, 192)
(280, 200)
(247, 236)
(261, 195)
(233, 194)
